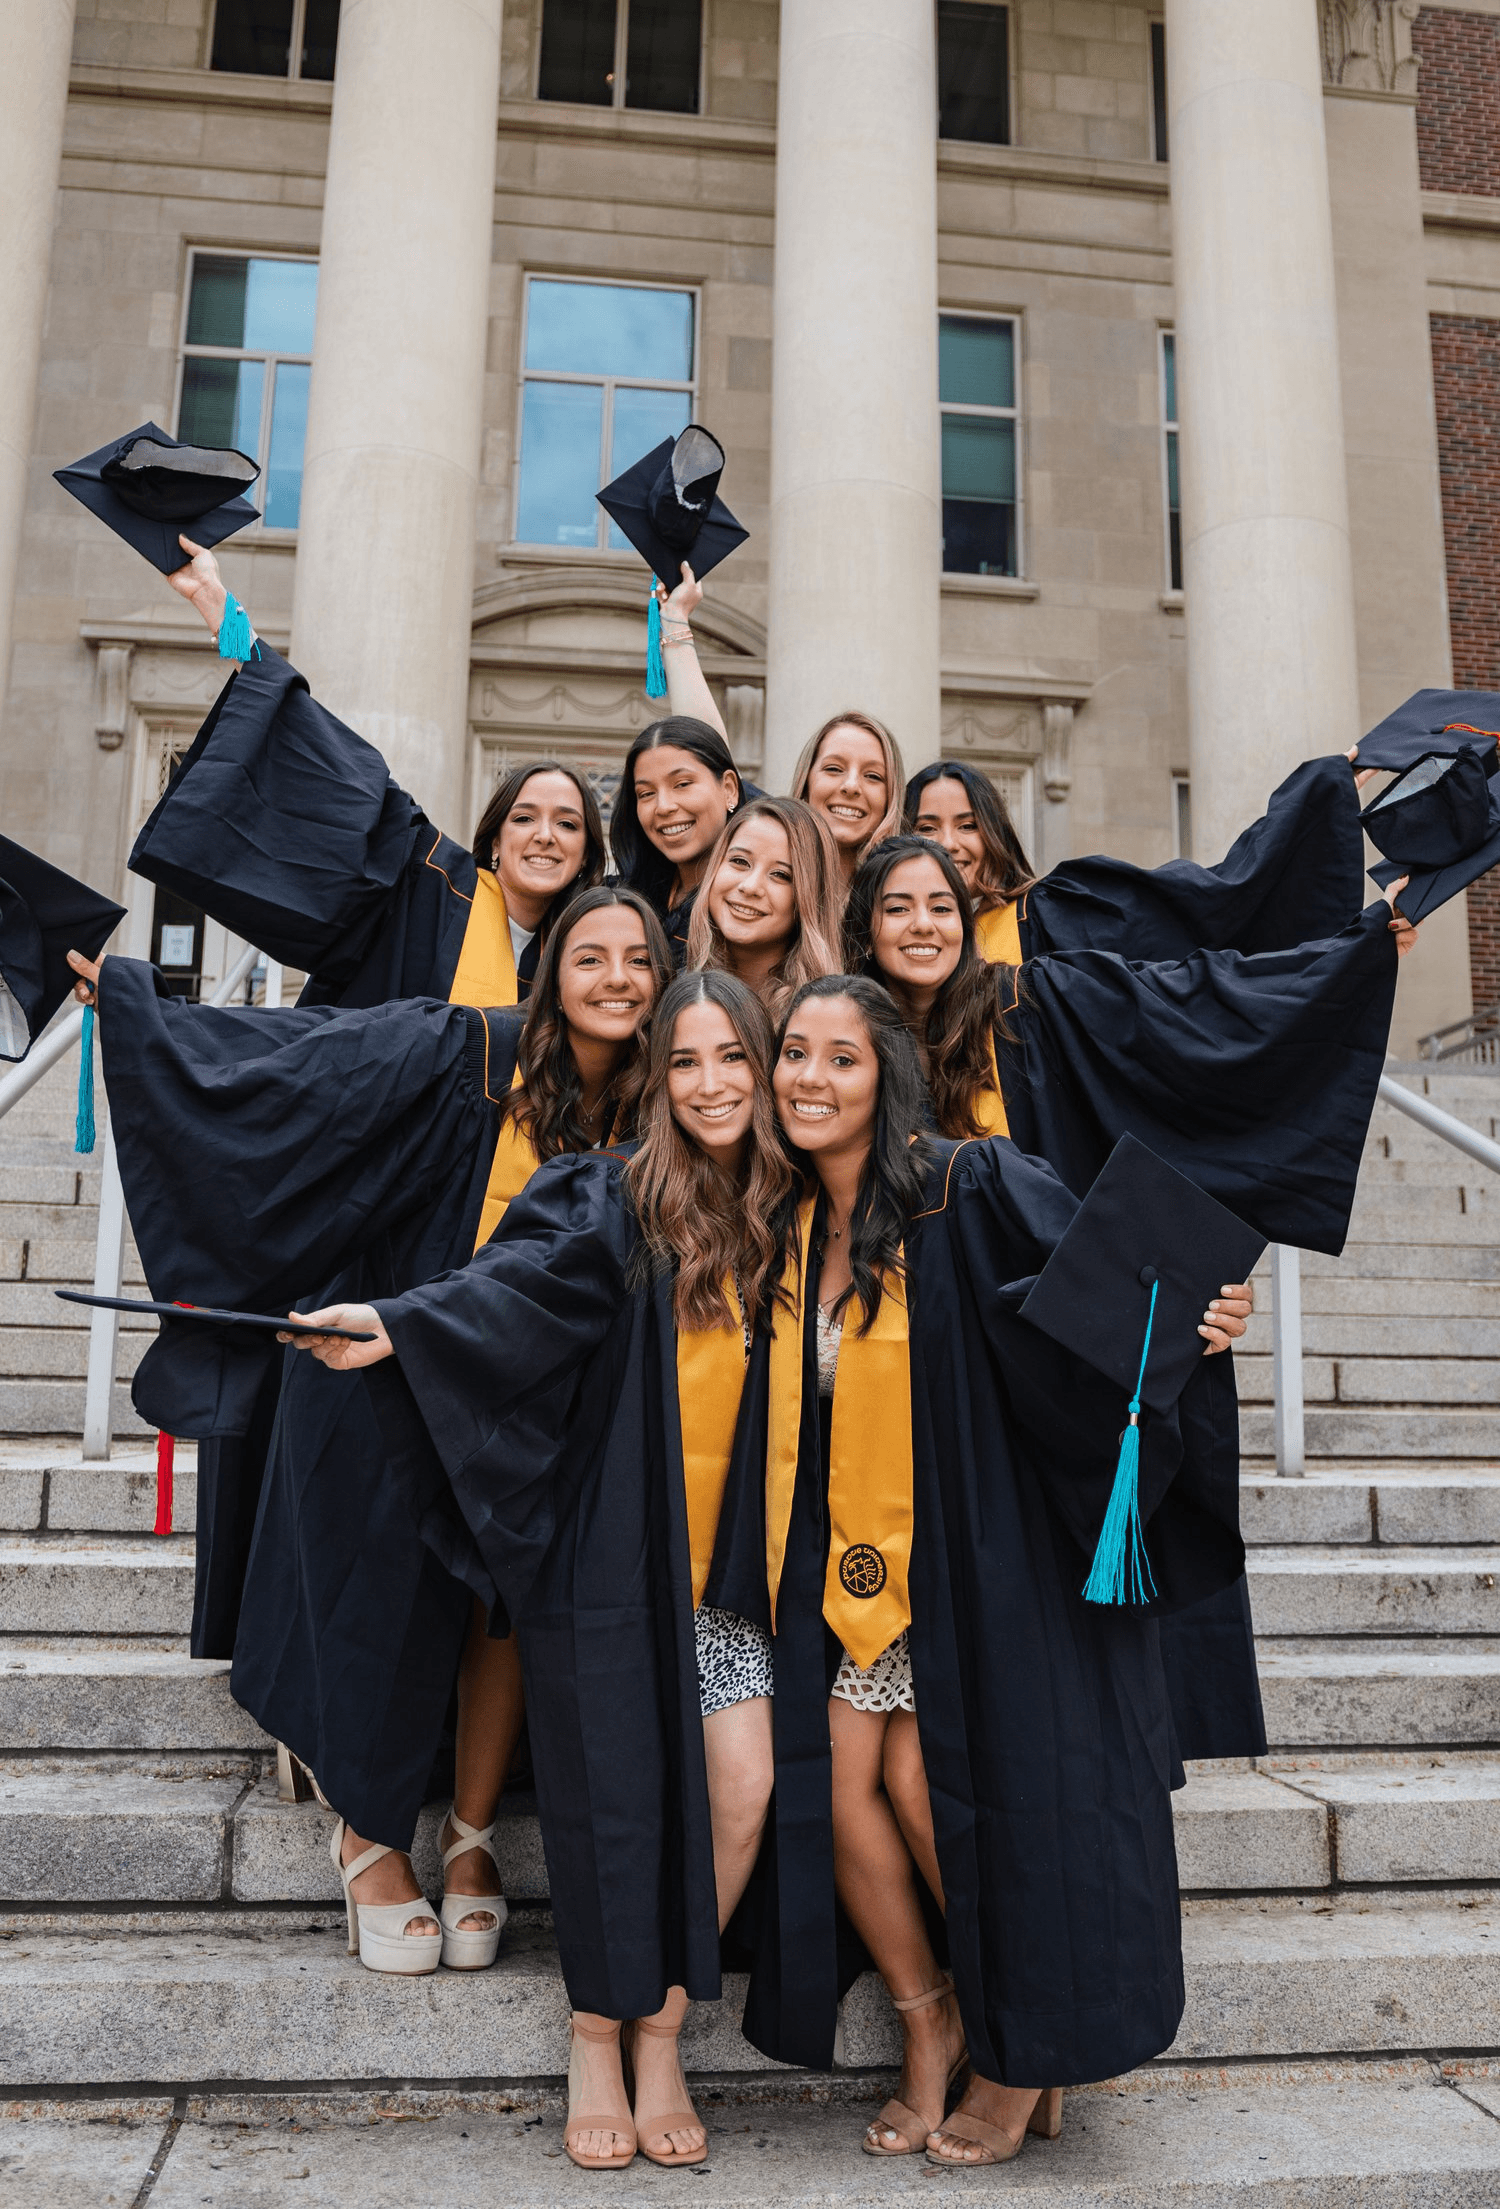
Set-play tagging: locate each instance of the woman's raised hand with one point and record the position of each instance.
(334, 1350)
(200, 583)
(1226, 1318)
(1402, 929)
(685, 599)
(86, 989)
(1362, 775)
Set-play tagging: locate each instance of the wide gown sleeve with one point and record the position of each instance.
(283, 825)
(1294, 875)
(506, 1363)
(1255, 1076)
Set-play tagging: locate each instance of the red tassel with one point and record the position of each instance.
(164, 1453)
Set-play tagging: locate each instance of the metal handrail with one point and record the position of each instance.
(1480, 1029)
(52, 1047)
(1286, 1278)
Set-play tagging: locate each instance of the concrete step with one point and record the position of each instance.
(77, 1584)
(98, 1696)
(61, 1261)
(35, 1304)
(1396, 2136)
(1365, 1432)
(1406, 1383)
(1465, 1210)
(56, 1490)
(1396, 1259)
(1375, 1504)
(1338, 1335)
(77, 1221)
(100, 2003)
(62, 1353)
(1362, 1294)
(126, 1832)
(56, 1407)
(1328, 1693)
(32, 1182)
(1323, 1589)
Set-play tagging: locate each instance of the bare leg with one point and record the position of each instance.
(596, 2084)
(906, 1785)
(877, 1884)
(390, 1880)
(737, 1747)
(1006, 2106)
(491, 1705)
(660, 2088)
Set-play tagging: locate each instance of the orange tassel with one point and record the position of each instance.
(164, 1454)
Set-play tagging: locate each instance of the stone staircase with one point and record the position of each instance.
(173, 1948)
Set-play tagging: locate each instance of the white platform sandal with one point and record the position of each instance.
(377, 1931)
(471, 1948)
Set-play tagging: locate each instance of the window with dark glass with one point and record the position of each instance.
(1169, 459)
(246, 366)
(607, 373)
(276, 38)
(981, 478)
(973, 66)
(622, 53)
(1159, 90)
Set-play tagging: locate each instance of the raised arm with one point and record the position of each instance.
(687, 687)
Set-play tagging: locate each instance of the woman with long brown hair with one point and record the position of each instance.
(959, 808)
(678, 787)
(581, 1382)
(850, 771)
(772, 902)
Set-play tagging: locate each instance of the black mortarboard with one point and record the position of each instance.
(1143, 1225)
(668, 506)
(210, 1315)
(150, 490)
(1442, 721)
(1473, 849)
(44, 914)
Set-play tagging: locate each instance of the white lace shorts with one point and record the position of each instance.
(734, 1659)
(884, 1685)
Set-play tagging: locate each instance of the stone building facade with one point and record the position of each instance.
(440, 288)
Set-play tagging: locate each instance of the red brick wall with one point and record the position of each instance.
(1466, 382)
(1458, 100)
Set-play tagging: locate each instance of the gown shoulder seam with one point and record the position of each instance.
(429, 861)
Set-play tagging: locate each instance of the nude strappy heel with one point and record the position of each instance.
(895, 2116)
(377, 1931)
(470, 1948)
(650, 2126)
(621, 2126)
(296, 1781)
(1045, 2121)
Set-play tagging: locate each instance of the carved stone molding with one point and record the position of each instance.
(745, 720)
(1367, 46)
(112, 694)
(989, 728)
(1057, 751)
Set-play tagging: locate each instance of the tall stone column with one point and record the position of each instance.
(856, 507)
(1272, 670)
(385, 556)
(33, 97)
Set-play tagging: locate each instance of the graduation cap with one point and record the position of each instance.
(151, 489)
(668, 505)
(1434, 723)
(210, 1315)
(1441, 829)
(1126, 1290)
(44, 914)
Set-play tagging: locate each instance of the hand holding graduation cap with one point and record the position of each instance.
(199, 582)
(337, 1351)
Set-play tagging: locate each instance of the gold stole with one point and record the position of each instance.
(710, 1380)
(998, 935)
(865, 1596)
(486, 970)
(511, 1168)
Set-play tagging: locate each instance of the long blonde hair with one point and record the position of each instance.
(817, 899)
(895, 772)
(694, 1220)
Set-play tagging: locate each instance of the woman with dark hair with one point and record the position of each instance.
(850, 771)
(262, 1153)
(960, 808)
(678, 788)
(583, 1382)
(286, 826)
(772, 900)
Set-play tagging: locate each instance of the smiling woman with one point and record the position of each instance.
(678, 788)
(542, 838)
(772, 901)
(851, 773)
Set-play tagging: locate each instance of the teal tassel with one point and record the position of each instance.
(83, 1134)
(656, 666)
(1121, 1571)
(235, 640)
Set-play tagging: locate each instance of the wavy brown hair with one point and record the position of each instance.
(817, 899)
(967, 1012)
(694, 1218)
(544, 1104)
(503, 802)
(895, 773)
(1005, 869)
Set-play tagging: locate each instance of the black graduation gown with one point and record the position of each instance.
(311, 1156)
(1043, 1719)
(538, 1388)
(1255, 1075)
(287, 827)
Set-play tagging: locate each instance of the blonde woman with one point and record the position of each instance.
(773, 901)
(851, 773)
